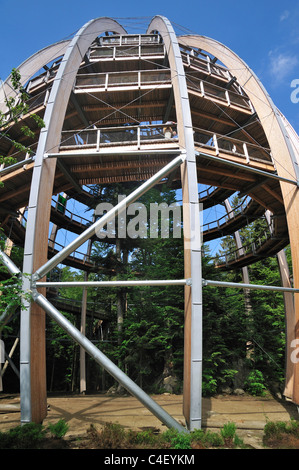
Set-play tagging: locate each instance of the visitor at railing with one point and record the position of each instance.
(168, 130)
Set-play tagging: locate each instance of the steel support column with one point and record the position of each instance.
(192, 230)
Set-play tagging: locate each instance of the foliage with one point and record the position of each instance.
(229, 435)
(11, 298)
(178, 440)
(282, 434)
(58, 429)
(255, 383)
(228, 431)
(16, 254)
(27, 436)
(261, 320)
(16, 108)
(211, 439)
(268, 322)
(114, 436)
(31, 435)
(150, 340)
(278, 428)
(11, 293)
(111, 436)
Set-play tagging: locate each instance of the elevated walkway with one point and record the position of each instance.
(77, 260)
(212, 196)
(230, 223)
(263, 247)
(75, 307)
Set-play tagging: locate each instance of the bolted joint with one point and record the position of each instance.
(35, 277)
(33, 288)
(34, 293)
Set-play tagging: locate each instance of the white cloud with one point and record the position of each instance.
(282, 65)
(284, 15)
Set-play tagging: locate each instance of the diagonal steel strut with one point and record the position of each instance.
(110, 215)
(107, 364)
(96, 354)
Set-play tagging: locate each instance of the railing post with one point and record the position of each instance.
(246, 153)
(209, 65)
(98, 140)
(227, 97)
(47, 94)
(215, 144)
(202, 90)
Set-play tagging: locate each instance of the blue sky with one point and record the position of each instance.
(264, 33)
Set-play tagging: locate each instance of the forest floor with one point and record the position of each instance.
(250, 414)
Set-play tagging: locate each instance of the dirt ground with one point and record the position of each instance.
(250, 414)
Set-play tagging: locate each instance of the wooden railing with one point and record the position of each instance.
(147, 134)
(224, 144)
(135, 78)
(111, 136)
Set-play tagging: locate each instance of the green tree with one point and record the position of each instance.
(264, 325)
(16, 108)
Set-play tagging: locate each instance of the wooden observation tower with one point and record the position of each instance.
(105, 96)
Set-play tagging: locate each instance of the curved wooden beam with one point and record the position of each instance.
(283, 155)
(32, 362)
(31, 66)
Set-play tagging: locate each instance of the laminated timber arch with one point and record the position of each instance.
(32, 372)
(31, 66)
(283, 143)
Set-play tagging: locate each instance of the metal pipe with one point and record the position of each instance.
(108, 365)
(247, 168)
(25, 372)
(103, 152)
(14, 368)
(248, 286)
(59, 257)
(12, 268)
(15, 166)
(179, 282)
(6, 315)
